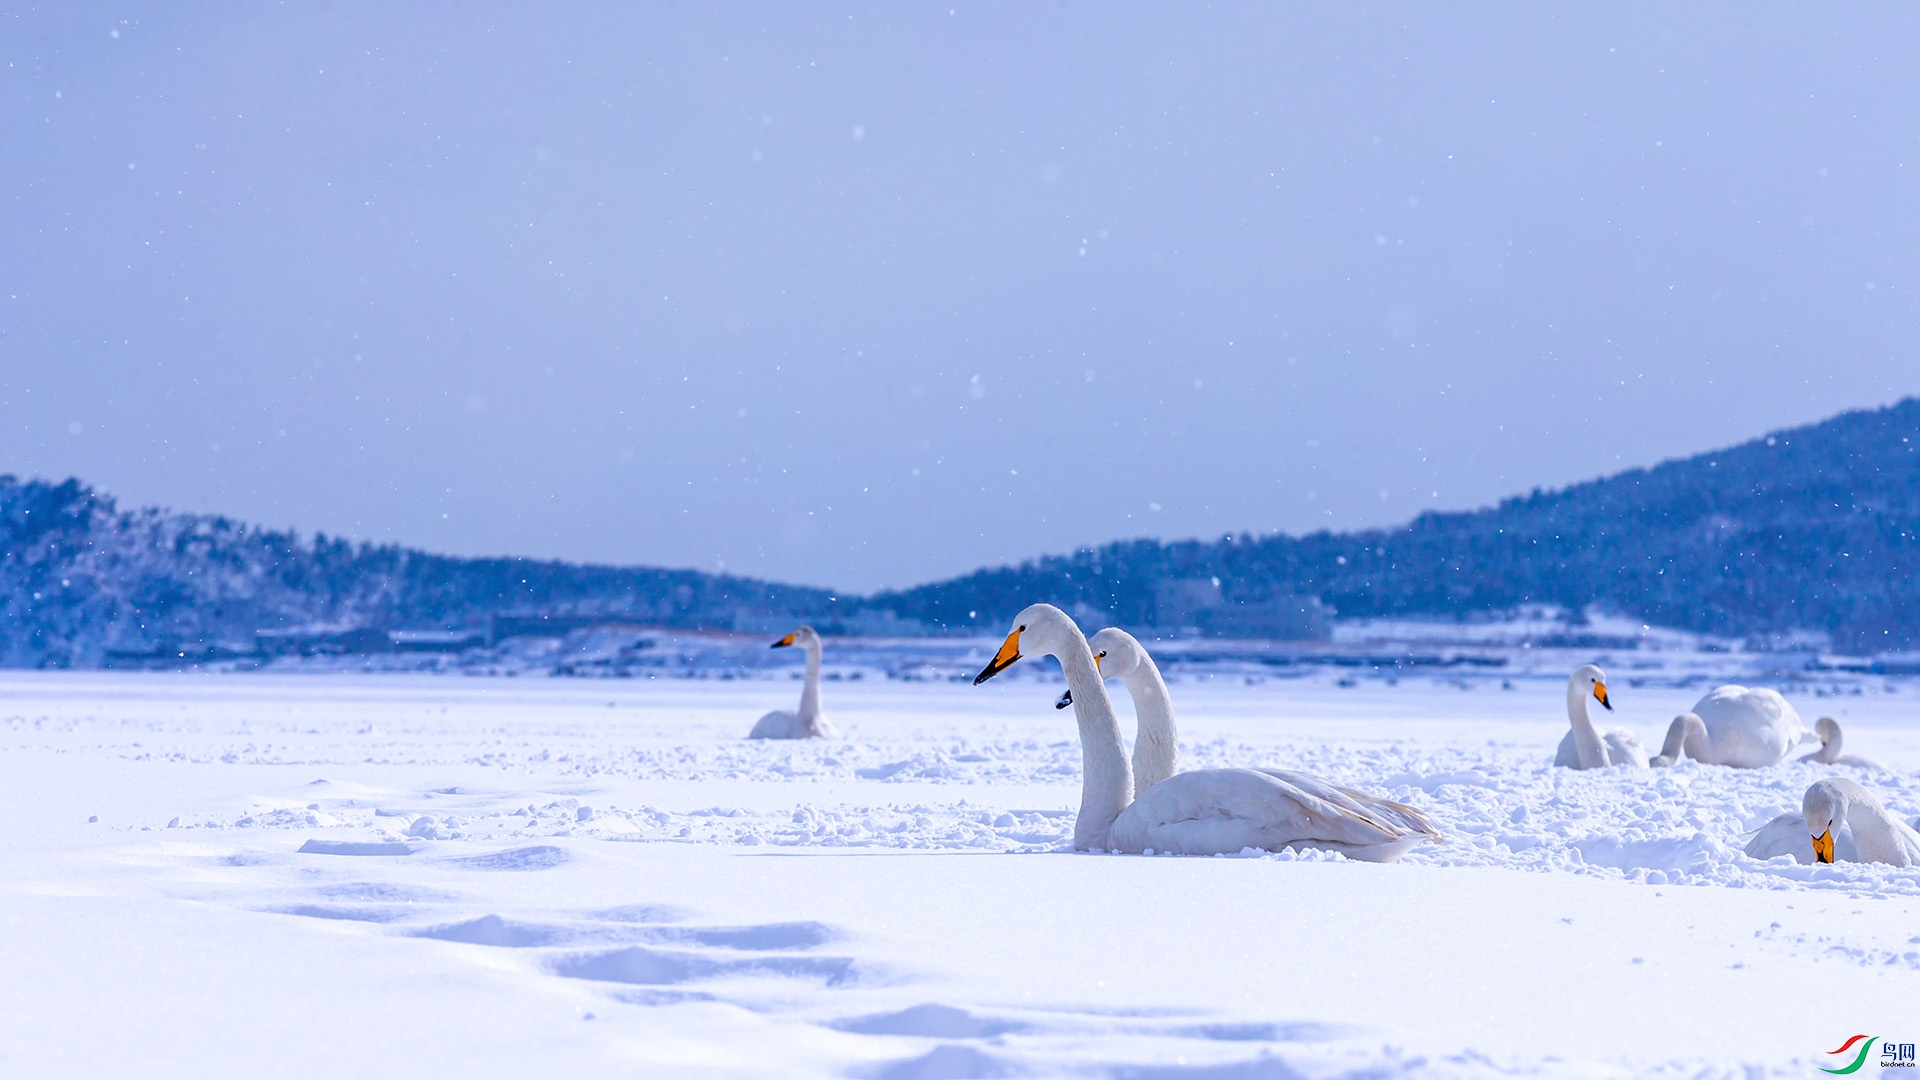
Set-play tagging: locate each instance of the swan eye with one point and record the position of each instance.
(1102, 656)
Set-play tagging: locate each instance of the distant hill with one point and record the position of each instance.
(79, 578)
(1809, 529)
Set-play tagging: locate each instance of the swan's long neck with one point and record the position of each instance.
(1874, 834)
(810, 690)
(1586, 738)
(1106, 784)
(1687, 733)
(1156, 740)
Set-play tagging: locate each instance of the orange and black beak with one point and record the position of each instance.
(1823, 846)
(1004, 659)
(782, 643)
(1600, 695)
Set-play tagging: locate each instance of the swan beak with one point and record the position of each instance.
(1002, 660)
(1823, 846)
(1066, 699)
(1600, 694)
(782, 643)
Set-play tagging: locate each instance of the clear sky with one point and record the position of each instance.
(866, 295)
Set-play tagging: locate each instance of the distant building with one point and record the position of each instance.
(1198, 606)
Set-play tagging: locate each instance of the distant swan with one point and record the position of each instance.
(1829, 753)
(1205, 811)
(809, 722)
(1583, 747)
(1838, 821)
(1732, 725)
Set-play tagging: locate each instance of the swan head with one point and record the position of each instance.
(803, 635)
(1589, 679)
(1116, 653)
(1040, 630)
(1828, 729)
(1824, 806)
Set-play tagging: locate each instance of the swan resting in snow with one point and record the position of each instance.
(809, 722)
(1205, 811)
(1737, 726)
(1838, 821)
(1583, 747)
(1830, 742)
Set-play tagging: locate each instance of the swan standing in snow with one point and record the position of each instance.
(809, 722)
(1838, 820)
(1583, 747)
(1205, 811)
(1156, 740)
(1733, 725)
(1829, 753)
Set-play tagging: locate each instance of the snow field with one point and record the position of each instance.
(576, 848)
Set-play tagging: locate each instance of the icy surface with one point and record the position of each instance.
(395, 874)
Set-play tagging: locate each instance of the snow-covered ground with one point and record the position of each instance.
(387, 875)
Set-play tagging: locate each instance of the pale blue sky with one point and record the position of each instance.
(867, 295)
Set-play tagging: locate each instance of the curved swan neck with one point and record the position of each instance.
(1106, 784)
(1875, 835)
(810, 690)
(1586, 738)
(1156, 738)
(1686, 737)
(1829, 751)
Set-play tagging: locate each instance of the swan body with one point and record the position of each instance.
(1583, 747)
(1747, 728)
(1833, 809)
(1156, 739)
(1205, 811)
(1211, 811)
(1830, 743)
(808, 722)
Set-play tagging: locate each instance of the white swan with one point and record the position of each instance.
(1830, 741)
(1745, 728)
(1583, 747)
(1838, 820)
(809, 722)
(1686, 738)
(1156, 739)
(1205, 811)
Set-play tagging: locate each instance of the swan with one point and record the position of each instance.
(1747, 729)
(1156, 740)
(1829, 753)
(1205, 811)
(1686, 738)
(1839, 820)
(809, 722)
(1583, 747)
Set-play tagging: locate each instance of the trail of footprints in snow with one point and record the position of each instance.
(651, 955)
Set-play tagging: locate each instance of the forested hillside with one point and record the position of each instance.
(1812, 528)
(79, 577)
(1809, 529)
